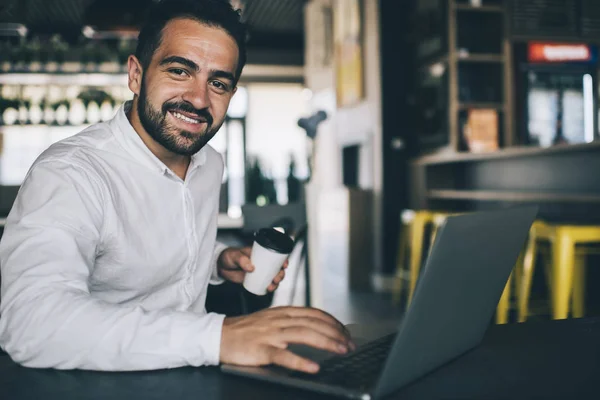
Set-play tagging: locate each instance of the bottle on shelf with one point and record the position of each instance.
(58, 50)
(18, 55)
(9, 105)
(106, 110)
(77, 112)
(35, 114)
(5, 60)
(49, 114)
(10, 115)
(92, 112)
(123, 51)
(34, 47)
(24, 113)
(61, 113)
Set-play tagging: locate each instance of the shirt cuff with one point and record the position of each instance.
(212, 346)
(215, 279)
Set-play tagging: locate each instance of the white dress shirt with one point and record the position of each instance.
(107, 255)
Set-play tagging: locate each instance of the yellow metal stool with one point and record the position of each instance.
(412, 239)
(567, 268)
(406, 219)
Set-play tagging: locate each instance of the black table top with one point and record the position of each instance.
(541, 360)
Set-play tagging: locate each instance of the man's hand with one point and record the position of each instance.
(262, 338)
(233, 263)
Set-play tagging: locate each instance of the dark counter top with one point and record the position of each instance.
(541, 360)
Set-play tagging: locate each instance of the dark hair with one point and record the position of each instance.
(214, 13)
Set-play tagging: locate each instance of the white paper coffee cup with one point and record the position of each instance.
(269, 251)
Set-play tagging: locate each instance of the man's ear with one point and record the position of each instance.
(134, 74)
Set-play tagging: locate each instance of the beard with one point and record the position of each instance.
(173, 139)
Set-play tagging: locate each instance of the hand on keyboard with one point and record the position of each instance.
(262, 338)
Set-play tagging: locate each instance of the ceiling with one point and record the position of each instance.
(276, 26)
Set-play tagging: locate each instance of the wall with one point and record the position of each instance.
(359, 124)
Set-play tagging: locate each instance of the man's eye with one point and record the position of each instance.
(178, 71)
(219, 85)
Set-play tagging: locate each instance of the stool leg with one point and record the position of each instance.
(579, 287)
(563, 264)
(400, 262)
(502, 308)
(416, 252)
(517, 273)
(434, 230)
(524, 289)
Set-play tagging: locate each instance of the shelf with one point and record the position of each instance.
(45, 126)
(490, 195)
(81, 79)
(510, 152)
(495, 106)
(488, 58)
(467, 7)
(224, 221)
(69, 67)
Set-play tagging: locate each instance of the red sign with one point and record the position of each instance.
(558, 52)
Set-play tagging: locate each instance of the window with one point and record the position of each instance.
(264, 150)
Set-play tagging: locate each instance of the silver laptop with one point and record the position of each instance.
(454, 302)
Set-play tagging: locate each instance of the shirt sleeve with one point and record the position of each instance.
(48, 317)
(215, 278)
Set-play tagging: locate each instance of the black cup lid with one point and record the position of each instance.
(272, 239)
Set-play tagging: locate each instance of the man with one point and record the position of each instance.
(111, 242)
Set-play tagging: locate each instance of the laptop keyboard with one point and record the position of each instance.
(357, 370)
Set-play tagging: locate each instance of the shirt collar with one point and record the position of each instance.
(133, 144)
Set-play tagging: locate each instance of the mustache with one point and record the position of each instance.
(188, 108)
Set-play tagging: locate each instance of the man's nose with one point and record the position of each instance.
(197, 95)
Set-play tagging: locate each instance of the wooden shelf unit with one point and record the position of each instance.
(483, 8)
(499, 195)
(470, 105)
(456, 57)
(512, 152)
(562, 179)
(480, 57)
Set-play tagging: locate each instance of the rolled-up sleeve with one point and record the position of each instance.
(48, 319)
(215, 278)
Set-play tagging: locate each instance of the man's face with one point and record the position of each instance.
(186, 89)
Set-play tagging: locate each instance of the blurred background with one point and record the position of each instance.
(358, 126)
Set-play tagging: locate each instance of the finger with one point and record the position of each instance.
(299, 312)
(312, 338)
(236, 276)
(247, 251)
(244, 262)
(287, 359)
(286, 263)
(317, 325)
(276, 281)
(279, 277)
